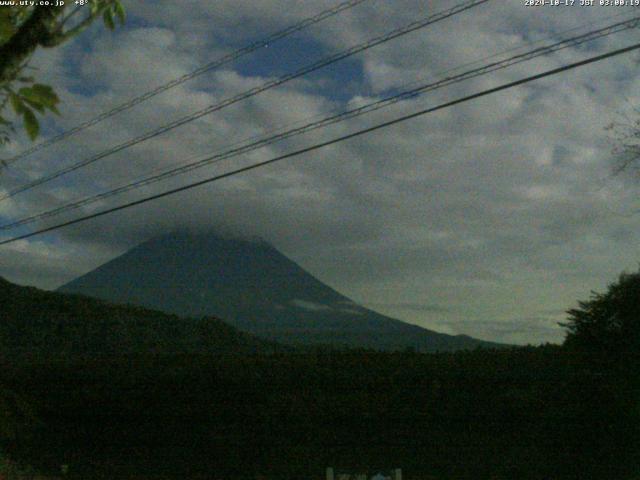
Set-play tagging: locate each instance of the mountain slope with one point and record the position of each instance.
(36, 322)
(253, 287)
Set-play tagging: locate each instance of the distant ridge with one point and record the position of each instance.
(36, 323)
(255, 288)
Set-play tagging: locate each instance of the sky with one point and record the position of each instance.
(490, 218)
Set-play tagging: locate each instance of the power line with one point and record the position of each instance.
(373, 106)
(307, 22)
(411, 27)
(327, 143)
(279, 81)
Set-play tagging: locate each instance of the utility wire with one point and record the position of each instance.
(333, 141)
(307, 22)
(411, 27)
(373, 106)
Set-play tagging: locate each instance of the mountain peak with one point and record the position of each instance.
(250, 284)
(209, 235)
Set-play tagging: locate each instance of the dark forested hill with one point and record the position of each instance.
(526, 414)
(36, 322)
(125, 392)
(255, 288)
(164, 400)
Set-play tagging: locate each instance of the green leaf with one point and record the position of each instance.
(108, 19)
(54, 109)
(28, 93)
(119, 11)
(31, 124)
(34, 100)
(44, 90)
(45, 94)
(95, 7)
(16, 103)
(7, 29)
(38, 106)
(40, 97)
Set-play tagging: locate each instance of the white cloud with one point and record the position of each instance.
(308, 305)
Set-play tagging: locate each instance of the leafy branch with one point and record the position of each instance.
(22, 30)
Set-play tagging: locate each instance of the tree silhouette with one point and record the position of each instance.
(603, 335)
(608, 322)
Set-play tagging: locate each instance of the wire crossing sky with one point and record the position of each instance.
(235, 55)
(374, 106)
(396, 33)
(532, 78)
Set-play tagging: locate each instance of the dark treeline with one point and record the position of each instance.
(522, 413)
(123, 392)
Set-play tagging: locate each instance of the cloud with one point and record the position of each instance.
(417, 307)
(308, 305)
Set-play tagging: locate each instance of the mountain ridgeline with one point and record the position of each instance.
(37, 323)
(255, 288)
